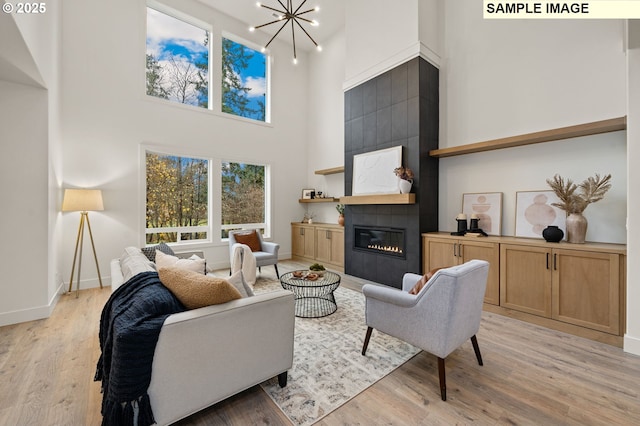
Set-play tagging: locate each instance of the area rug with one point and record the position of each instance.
(328, 367)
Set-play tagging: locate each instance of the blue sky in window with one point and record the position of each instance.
(254, 77)
(170, 39)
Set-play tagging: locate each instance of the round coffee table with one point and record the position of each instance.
(313, 299)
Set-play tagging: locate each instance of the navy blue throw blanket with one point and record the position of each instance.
(129, 329)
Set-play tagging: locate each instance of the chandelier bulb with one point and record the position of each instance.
(295, 61)
(319, 48)
(252, 29)
(258, 4)
(317, 9)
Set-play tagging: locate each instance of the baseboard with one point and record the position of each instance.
(631, 344)
(31, 314)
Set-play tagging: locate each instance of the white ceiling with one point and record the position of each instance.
(330, 17)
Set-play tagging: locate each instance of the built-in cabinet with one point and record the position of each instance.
(318, 242)
(449, 251)
(575, 288)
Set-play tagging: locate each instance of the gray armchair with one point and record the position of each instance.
(267, 256)
(440, 318)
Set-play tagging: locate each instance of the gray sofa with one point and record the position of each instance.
(208, 354)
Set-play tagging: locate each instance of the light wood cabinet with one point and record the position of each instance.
(318, 242)
(303, 240)
(446, 250)
(574, 288)
(330, 246)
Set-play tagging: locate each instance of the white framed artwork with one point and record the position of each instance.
(373, 171)
(488, 207)
(534, 212)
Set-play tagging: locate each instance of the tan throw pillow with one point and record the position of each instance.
(194, 263)
(195, 290)
(249, 238)
(423, 281)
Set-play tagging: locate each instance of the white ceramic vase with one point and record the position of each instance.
(404, 186)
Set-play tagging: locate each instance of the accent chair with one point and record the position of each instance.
(267, 253)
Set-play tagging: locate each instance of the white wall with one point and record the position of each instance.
(107, 116)
(29, 116)
(505, 78)
(632, 338)
(326, 125)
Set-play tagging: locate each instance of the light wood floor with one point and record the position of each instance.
(531, 376)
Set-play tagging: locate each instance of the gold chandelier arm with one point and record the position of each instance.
(296, 11)
(293, 33)
(269, 23)
(306, 11)
(278, 32)
(305, 31)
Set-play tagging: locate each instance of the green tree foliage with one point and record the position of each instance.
(177, 194)
(235, 58)
(243, 193)
(155, 78)
(202, 82)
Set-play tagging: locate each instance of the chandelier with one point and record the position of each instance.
(293, 16)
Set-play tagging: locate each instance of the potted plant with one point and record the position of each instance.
(574, 202)
(340, 209)
(405, 179)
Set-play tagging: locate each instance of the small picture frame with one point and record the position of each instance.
(308, 194)
(534, 213)
(488, 207)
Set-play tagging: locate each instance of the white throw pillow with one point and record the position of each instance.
(194, 263)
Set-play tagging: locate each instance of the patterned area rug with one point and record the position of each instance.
(328, 368)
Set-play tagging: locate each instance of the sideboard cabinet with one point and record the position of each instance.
(575, 288)
(318, 242)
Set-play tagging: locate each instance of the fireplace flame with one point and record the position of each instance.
(388, 249)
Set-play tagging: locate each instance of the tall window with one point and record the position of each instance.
(243, 197)
(244, 81)
(177, 60)
(177, 198)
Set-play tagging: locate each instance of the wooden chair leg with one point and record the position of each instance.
(366, 340)
(476, 349)
(443, 380)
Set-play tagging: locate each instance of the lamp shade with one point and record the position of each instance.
(82, 200)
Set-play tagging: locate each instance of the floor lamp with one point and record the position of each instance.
(84, 201)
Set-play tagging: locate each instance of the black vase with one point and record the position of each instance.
(552, 234)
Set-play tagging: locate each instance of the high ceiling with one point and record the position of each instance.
(330, 17)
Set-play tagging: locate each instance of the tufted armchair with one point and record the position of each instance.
(267, 256)
(440, 318)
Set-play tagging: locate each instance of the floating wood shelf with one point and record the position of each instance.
(319, 200)
(593, 128)
(380, 199)
(331, 171)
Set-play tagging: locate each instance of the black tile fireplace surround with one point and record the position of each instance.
(399, 107)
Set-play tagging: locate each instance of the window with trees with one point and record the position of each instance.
(243, 197)
(184, 203)
(177, 199)
(244, 81)
(178, 63)
(177, 60)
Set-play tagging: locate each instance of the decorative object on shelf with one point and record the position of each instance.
(462, 224)
(488, 207)
(295, 16)
(308, 194)
(535, 211)
(574, 203)
(308, 217)
(340, 209)
(405, 179)
(84, 201)
(553, 234)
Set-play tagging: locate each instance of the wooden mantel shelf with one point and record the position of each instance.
(331, 171)
(586, 129)
(380, 199)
